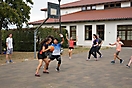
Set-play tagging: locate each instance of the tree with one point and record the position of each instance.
(13, 12)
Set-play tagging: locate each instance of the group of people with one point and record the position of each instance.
(97, 43)
(45, 55)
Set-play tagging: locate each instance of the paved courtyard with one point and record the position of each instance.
(75, 73)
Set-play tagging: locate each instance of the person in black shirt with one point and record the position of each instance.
(43, 57)
(99, 46)
(93, 49)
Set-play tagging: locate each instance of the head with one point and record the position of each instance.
(46, 40)
(95, 36)
(71, 38)
(118, 38)
(10, 35)
(51, 38)
(56, 41)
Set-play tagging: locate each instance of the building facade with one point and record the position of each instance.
(83, 18)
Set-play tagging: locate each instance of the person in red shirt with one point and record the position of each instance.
(71, 45)
(118, 44)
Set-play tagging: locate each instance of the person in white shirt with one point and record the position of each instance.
(9, 44)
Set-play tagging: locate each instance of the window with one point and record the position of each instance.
(131, 4)
(88, 32)
(93, 7)
(112, 5)
(83, 8)
(100, 31)
(88, 7)
(73, 32)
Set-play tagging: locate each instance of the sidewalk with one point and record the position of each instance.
(75, 73)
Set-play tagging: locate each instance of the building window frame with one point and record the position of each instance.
(100, 29)
(88, 32)
(73, 32)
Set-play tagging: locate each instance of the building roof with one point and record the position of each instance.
(94, 15)
(85, 2)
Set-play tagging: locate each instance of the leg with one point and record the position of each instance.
(130, 61)
(46, 65)
(59, 62)
(38, 67)
(90, 52)
(98, 50)
(95, 53)
(7, 58)
(70, 53)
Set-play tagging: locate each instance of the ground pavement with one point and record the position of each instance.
(75, 73)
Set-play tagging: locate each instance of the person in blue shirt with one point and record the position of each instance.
(93, 49)
(56, 54)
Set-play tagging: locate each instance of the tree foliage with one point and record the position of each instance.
(14, 12)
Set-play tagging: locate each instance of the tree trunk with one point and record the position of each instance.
(0, 39)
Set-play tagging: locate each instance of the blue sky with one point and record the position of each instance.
(36, 14)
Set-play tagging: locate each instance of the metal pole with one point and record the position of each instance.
(35, 34)
(60, 16)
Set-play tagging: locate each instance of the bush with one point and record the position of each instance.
(23, 39)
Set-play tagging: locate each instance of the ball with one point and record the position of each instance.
(51, 48)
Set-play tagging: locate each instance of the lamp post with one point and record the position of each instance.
(59, 16)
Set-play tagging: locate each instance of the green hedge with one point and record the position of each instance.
(23, 39)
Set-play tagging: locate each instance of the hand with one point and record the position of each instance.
(61, 35)
(109, 43)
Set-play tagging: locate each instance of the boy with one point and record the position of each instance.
(57, 53)
(118, 44)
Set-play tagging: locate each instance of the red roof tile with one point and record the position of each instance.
(95, 15)
(85, 2)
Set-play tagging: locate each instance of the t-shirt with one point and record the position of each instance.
(95, 42)
(99, 40)
(71, 43)
(118, 45)
(45, 45)
(10, 42)
(57, 48)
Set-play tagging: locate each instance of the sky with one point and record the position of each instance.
(36, 14)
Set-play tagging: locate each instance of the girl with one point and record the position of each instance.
(118, 44)
(93, 49)
(130, 61)
(42, 56)
(71, 45)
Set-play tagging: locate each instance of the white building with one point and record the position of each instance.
(83, 18)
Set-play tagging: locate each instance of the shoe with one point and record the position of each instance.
(96, 59)
(10, 61)
(37, 75)
(127, 66)
(57, 69)
(112, 62)
(121, 61)
(87, 59)
(69, 58)
(46, 71)
(100, 56)
(7, 62)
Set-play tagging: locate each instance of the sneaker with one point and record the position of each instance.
(10, 61)
(46, 71)
(127, 66)
(96, 59)
(100, 56)
(37, 75)
(7, 62)
(57, 69)
(112, 62)
(69, 58)
(87, 59)
(121, 61)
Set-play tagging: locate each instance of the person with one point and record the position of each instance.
(42, 56)
(118, 44)
(56, 53)
(71, 45)
(9, 45)
(129, 63)
(93, 49)
(99, 46)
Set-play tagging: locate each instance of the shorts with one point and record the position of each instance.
(71, 48)
(9, 51)
(117, 53)
(57, 57)
(41, 56)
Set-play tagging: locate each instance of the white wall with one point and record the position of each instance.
(70, 10)
(110, 30)
(99, 7)
(125, 4)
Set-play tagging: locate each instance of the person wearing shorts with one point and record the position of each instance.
(57, 53)
(9, 44)
(71, 45)
(43, 57)
(118, 44)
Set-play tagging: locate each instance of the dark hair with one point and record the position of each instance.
(95, 36)
(50, 36)
(44, 41)
(56, 39)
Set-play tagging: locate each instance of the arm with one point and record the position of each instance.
(62, 41)
(44, 50)
(7, 43)
(112, 44)
(121, 43)
(67, 37)
(76, 39)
